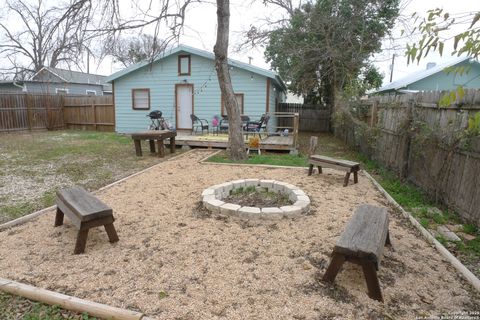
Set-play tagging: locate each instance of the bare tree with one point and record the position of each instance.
(130, 50)
(237, 146)
(48, 35)
(259, 34)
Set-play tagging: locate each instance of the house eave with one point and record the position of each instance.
(205, 54)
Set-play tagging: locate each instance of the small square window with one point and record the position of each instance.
(91, 93)
(141, 99)
(184, 65)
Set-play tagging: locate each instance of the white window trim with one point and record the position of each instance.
(61, 89)
(91, 91)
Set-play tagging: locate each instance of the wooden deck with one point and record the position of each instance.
(221, 141)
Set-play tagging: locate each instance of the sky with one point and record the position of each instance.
(200, 32)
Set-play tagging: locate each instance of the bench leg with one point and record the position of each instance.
(138, 147)
(172, 145)
(161, 148)
(152, 145)
(310, 170)
(388, 242)
(334, 267)
(319, 169)
(112, 234)
(355, 177)
(81, 241)
(373, 285)
(59, 217)
(347, 177)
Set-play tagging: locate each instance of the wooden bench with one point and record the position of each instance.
(344, 165)
(362, 242)
(85, 211)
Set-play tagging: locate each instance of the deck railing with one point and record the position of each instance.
(281, 121)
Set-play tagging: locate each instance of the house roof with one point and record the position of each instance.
(202, 53)
(71, 76)
(419, 75)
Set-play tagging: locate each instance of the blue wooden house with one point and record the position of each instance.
(183, 81)
(458, 72)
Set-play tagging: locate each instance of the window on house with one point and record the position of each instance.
(184, 65)
(141, 99)
(91, 93)
(240, 101)
(61, 91)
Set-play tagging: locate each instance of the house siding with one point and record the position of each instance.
(161, 78)
(73, 88)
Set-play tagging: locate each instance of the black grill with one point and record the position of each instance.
(156, 114)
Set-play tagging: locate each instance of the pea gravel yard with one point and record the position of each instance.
(34, 165)
(176, 261)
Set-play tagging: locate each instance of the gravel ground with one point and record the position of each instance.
(175, 261)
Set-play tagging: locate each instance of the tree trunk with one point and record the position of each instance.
(235, 137)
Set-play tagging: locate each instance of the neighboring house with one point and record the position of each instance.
(183, 81)
(445, 76)
(60, 81)
(10, 86)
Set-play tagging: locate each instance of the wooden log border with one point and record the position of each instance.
(62, 300)
(68, 302)
(41, 212)
(467, 274)
(105, 311)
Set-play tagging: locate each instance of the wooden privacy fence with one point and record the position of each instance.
(89, 113)
(312, 117)
(413, 136)
(21, 111)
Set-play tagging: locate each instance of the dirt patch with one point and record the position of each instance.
(175, 261)
(256, 197)
(35, 165)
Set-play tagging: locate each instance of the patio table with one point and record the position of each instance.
(151, 136)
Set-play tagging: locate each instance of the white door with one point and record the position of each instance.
(184, 105)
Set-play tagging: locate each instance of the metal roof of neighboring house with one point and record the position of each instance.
(419, 75)
(202, 53)
(71, 76)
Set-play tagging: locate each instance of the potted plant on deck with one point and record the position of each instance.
(254, 145)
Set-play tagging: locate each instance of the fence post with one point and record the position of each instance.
(313, 145)
(407, 140)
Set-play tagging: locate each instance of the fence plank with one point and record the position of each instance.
(22, 111)
(403, 125)
(313, 118)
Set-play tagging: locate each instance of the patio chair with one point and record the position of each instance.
(198, 123)
(257, 126)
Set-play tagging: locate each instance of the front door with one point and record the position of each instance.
(184, 101)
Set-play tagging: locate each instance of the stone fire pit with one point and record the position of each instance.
(213, 196)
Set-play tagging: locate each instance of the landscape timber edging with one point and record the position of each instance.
(68, 302)
(36, 214)
(467, 274)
